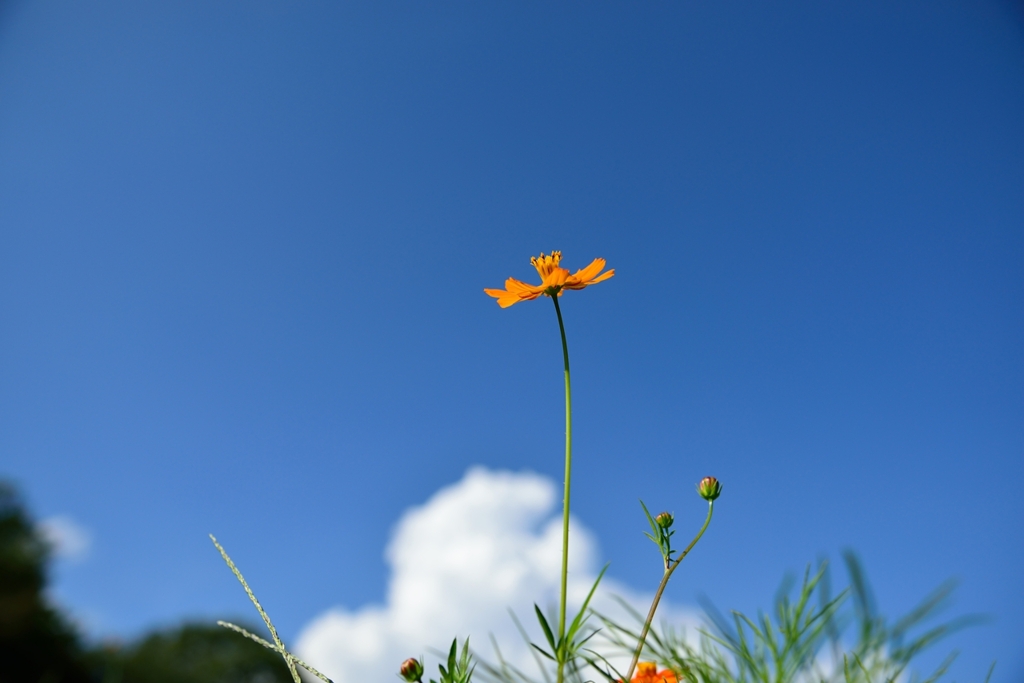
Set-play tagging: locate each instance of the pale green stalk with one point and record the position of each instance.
(259, 608)
(277, 646)
(661, 589)
(565, 497)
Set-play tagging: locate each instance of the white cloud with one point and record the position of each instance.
(458, 563)
(67, 538)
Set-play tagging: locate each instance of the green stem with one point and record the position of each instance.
(661, 589)
(565, 497)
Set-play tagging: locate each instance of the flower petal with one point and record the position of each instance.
(505, 299)
(556, 278)
(588, 273)
(516, 286)
(602, 277)
(576, 284)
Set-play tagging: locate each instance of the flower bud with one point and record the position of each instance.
(411, 670)
(664, 520)
(709, 488)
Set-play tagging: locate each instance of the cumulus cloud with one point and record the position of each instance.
(458, 563)
(67, 538)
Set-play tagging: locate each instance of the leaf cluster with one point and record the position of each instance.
(460, 667)
(810, 636)
(660, 536)
(802, 641)
(566, 650)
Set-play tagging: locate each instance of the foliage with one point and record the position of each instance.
(803, 641)
(191, 653)
(460, 668)
(566, 650)
(37, 643)
(661, 533)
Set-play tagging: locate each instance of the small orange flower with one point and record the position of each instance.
(553, 277)
(647, 672)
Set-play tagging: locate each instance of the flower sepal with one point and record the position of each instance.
(709, 488)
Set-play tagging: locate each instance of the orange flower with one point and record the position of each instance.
(647, 672)
(553, 277)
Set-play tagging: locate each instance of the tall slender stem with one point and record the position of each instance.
(565, 497)
(661, 589)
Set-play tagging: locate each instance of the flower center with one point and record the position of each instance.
(545, 265)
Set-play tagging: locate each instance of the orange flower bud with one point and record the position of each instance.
(709, 488)
(411, 670)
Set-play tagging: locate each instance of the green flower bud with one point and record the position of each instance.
(411, 670)
(664, 520)
(709, 488)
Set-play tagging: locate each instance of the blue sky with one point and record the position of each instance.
(243, 249)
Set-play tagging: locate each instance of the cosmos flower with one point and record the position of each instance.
(647, 672)
(554, 279)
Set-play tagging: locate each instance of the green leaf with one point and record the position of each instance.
(547, 629)
(581, 615)
(543, 651)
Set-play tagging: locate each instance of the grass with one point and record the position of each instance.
(810, 636)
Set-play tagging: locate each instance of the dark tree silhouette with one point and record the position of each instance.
(194, 653)
(37, 644)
